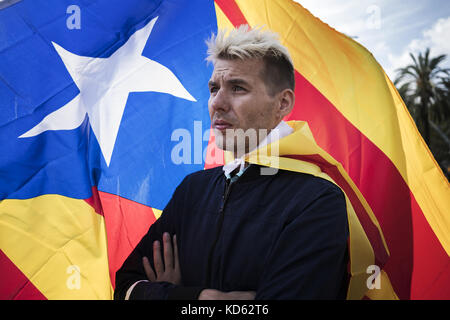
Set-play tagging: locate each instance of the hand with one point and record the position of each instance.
(169, 270)
(212, 294)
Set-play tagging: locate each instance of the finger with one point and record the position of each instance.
(175, 248)
(157, 259)
(148, 269)
(168, 251)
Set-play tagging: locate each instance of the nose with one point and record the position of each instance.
(219, 102)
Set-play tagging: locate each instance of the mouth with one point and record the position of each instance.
(222, 125)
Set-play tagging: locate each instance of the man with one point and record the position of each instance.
(236, 232)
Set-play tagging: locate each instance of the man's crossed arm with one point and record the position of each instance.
(168, 270)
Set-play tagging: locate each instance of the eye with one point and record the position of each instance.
(213, 89)
(237, 89)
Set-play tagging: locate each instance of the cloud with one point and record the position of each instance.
(346, 17)
(436, 38)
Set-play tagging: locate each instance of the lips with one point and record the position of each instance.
(221, 125)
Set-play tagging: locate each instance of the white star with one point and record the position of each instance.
(104, 85)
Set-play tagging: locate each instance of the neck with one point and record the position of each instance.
(262, 140)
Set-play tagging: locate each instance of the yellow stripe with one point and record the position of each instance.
(59, 243)
(385, 292)
(351, 79)
(222, 20)
(157, 213)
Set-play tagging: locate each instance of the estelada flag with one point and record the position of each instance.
(92, 94)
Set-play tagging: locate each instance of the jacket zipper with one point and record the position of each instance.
(225, 196)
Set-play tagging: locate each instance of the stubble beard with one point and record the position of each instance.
(238, 141)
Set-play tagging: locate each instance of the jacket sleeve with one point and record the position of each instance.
(131, 280)
(309, 258)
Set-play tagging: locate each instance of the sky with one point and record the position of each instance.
(390, 29)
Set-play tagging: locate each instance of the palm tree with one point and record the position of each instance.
(442, 113)
(420, 87)
(440, 118)
(405, 92)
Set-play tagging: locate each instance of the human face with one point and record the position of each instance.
(239, 99)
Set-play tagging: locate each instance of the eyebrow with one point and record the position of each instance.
(236, 81)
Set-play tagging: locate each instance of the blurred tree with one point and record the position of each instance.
(425, 89)
(419, 89)
(440, 122)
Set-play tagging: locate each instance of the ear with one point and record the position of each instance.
(286, 102)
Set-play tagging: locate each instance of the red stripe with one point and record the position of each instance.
(232, 11)
(439, 288)
(95, 202)
(431, 272)
(126, 223)
(14, 284)
(214, 156)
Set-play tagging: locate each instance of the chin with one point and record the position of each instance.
(219, 139)
(222, 142)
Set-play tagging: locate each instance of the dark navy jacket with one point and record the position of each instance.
(283, 236)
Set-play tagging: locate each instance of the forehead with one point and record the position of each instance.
(249, 69)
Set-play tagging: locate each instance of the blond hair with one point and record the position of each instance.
(245, 43)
